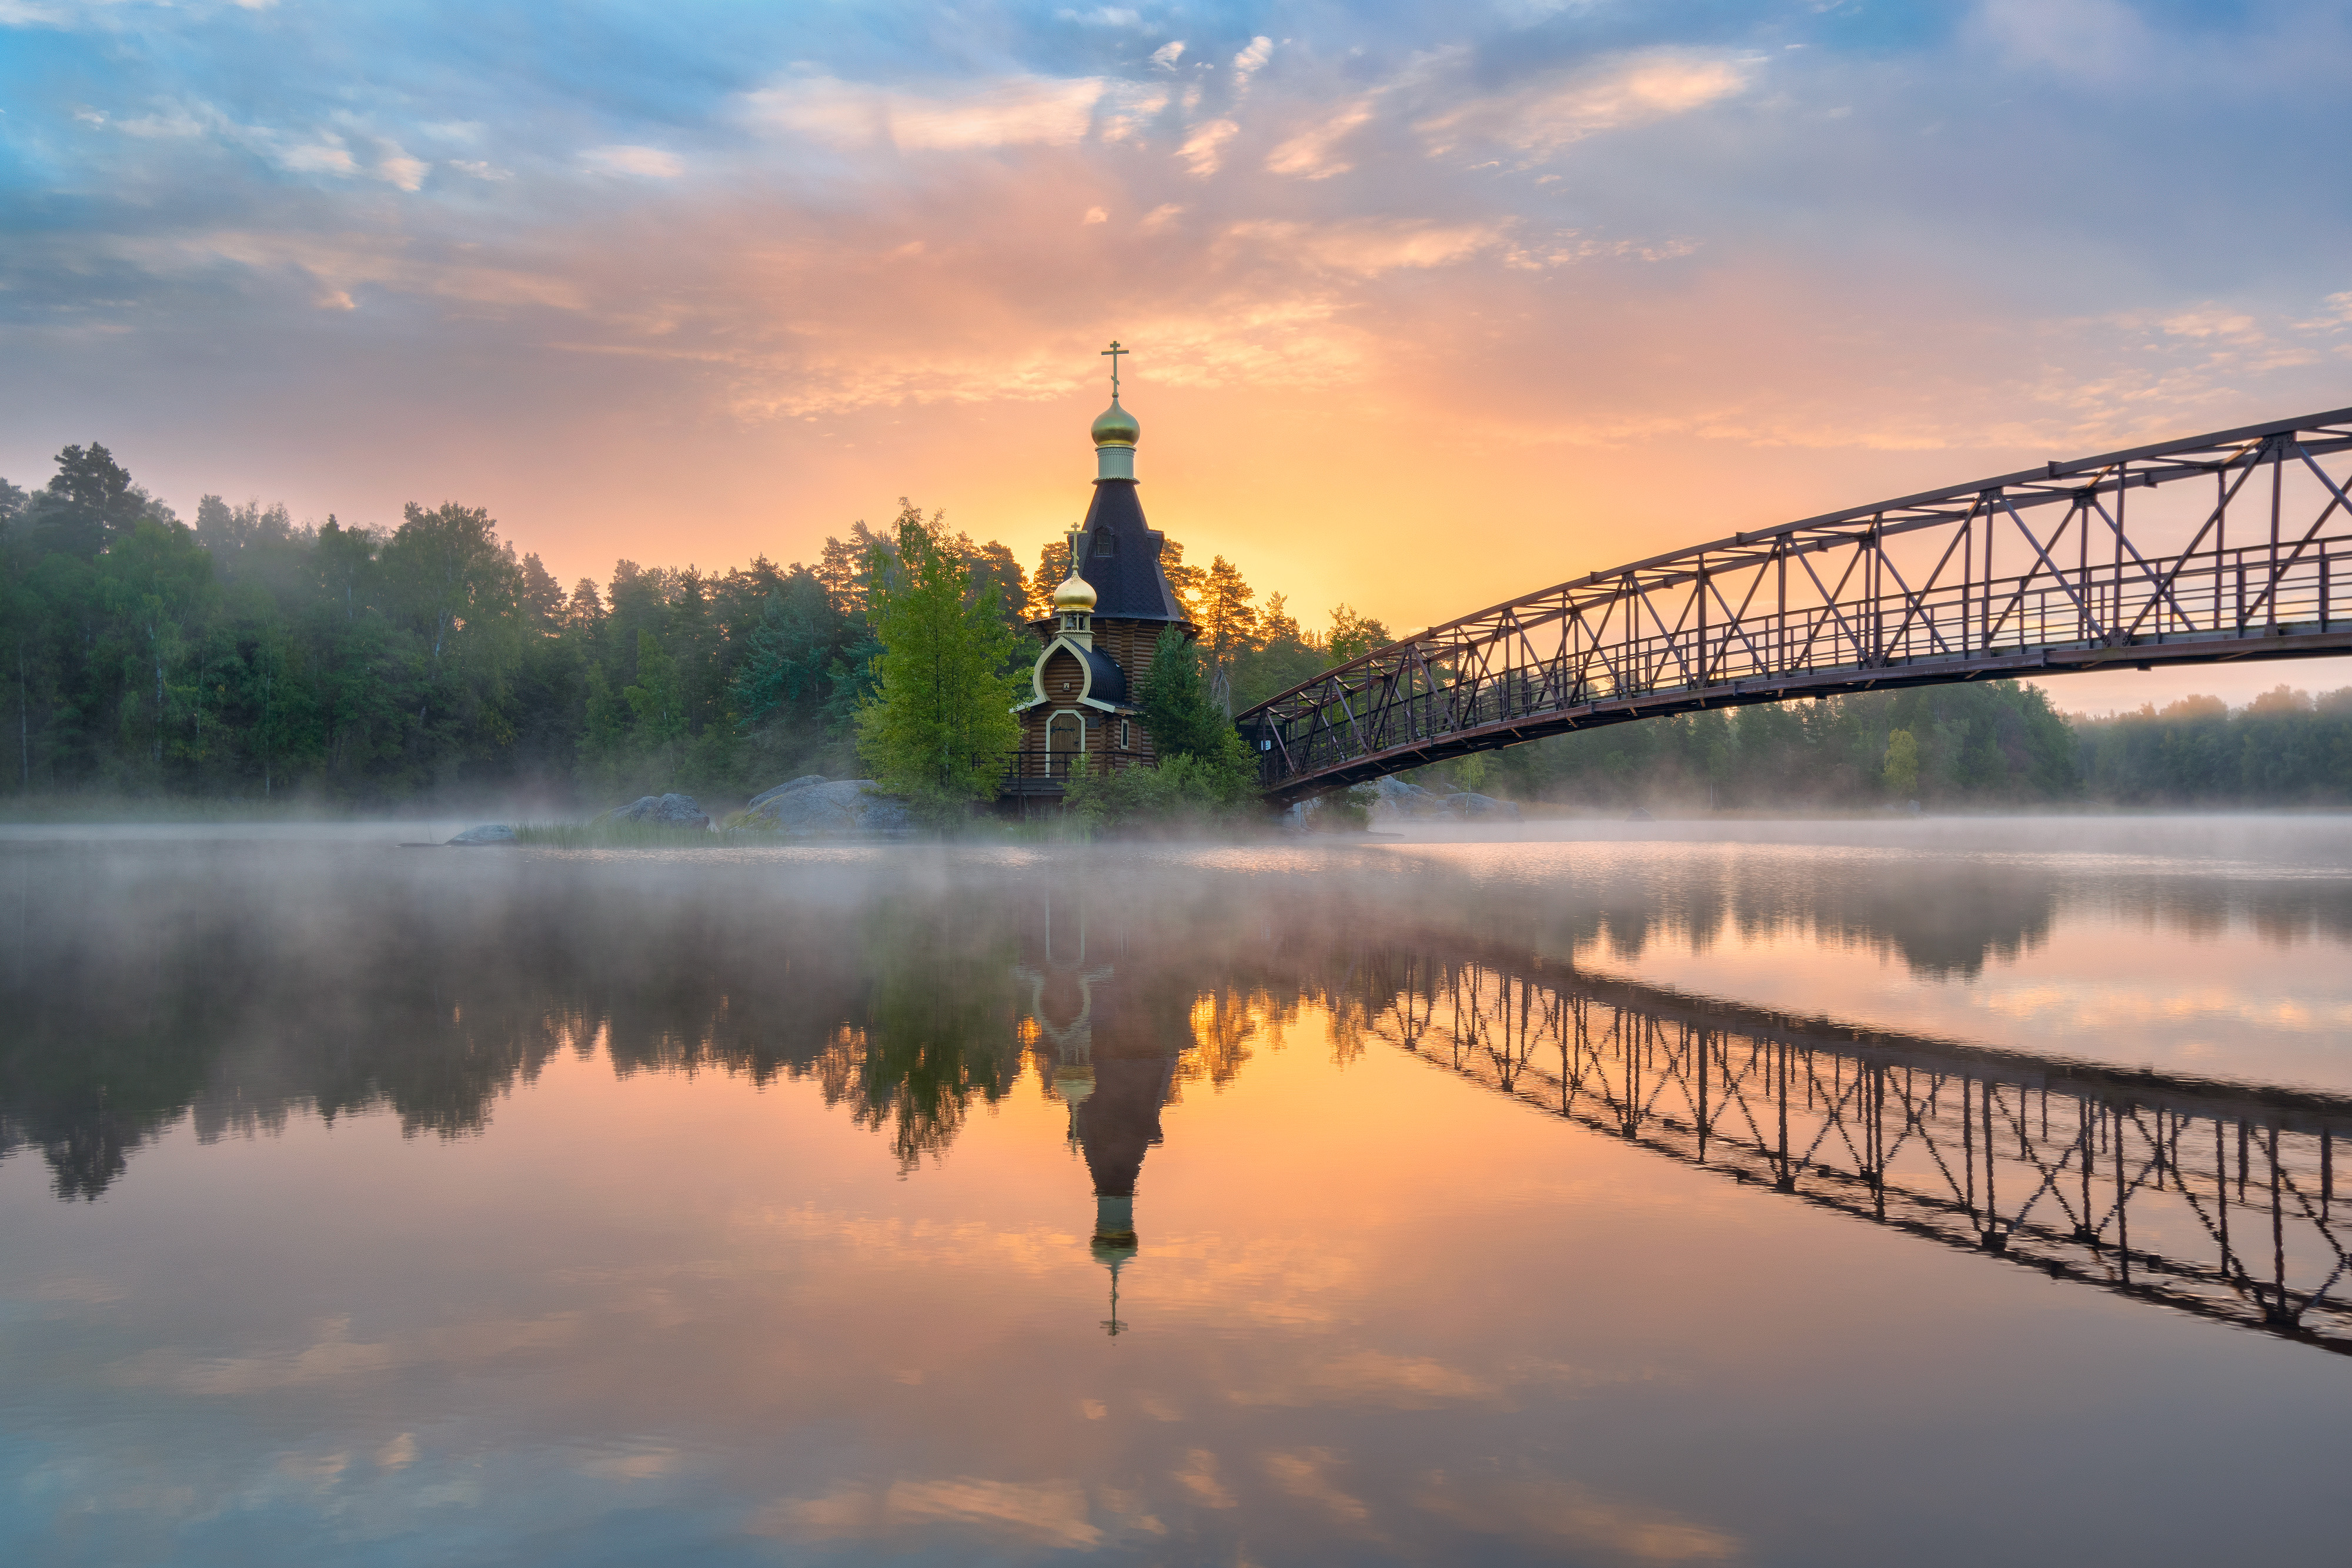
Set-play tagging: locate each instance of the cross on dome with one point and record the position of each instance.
(1115, 431)
(1075, 597)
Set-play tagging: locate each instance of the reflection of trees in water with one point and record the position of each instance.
(213, 988)
(235, 987)
(1942, 919)
(1943, 916)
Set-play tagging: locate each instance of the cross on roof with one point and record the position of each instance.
(1112, 353)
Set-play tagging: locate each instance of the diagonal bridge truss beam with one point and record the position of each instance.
(2212, 549)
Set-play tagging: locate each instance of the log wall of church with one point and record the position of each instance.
(1129, 644)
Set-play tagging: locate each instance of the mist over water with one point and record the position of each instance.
(1592, 1195)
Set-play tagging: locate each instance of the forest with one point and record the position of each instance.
(244, 656)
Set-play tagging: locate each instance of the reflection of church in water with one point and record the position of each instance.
(1111, 1054)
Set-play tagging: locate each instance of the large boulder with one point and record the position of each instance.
(805, 781)
(488, 833)
(1395, 796)
(663, 811)
(815, 805)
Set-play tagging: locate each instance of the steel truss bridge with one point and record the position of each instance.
(2209, 550)
(2212, 1199)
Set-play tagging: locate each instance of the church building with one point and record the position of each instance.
(1108, 613)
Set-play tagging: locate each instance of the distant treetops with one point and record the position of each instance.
(255, 655)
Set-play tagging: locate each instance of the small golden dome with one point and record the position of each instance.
(1115, 427)
(1075, 595)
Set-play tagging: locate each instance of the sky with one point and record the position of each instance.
(1430, 305)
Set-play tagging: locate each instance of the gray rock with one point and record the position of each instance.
(666, 810)
(816, 805)
(1399, 798)
(488, 833)
(1393, 797)
(805, 781)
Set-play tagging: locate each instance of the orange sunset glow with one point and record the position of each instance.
(1428, 308)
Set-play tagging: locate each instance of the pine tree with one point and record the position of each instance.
(1184, 720)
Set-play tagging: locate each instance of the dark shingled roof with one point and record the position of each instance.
(1108, 682)
(1122, 558)
(1105, 681)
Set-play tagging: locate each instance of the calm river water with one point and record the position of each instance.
(1924, 1192)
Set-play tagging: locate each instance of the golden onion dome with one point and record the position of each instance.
(1075, 595)
(1115, 427)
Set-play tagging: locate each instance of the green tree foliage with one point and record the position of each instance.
(1354, 635)
(1205, 772)
(251, 655)
(1185, 725)
(1989, 744)
(1284, 654)
(1181, 791)
(1228, 621)
(938, 724)
(1902, 769)
(90, 505)
(2283, 748)
(656, 702)
(1174, 698)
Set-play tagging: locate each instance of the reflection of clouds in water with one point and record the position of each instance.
(1049, 1513)
(767, 1318)
(2116, 1006)
(1291, 1278)
(1199, 1480)
(1306, 1473)
(1032, 1250)
(630, 1462)
(1565, 1516)
(334, 1357)
(1368, 1378)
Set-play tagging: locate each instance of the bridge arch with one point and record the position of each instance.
(2210, 549)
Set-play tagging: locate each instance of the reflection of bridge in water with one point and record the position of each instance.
(203, 1002)
(2213, 1199)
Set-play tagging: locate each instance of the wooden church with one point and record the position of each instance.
(1108, 613)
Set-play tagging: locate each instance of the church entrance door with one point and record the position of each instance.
(1064, 743)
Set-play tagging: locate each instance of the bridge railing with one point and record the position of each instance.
(1951, 586)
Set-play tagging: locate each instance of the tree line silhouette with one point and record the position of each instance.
(247, 655)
